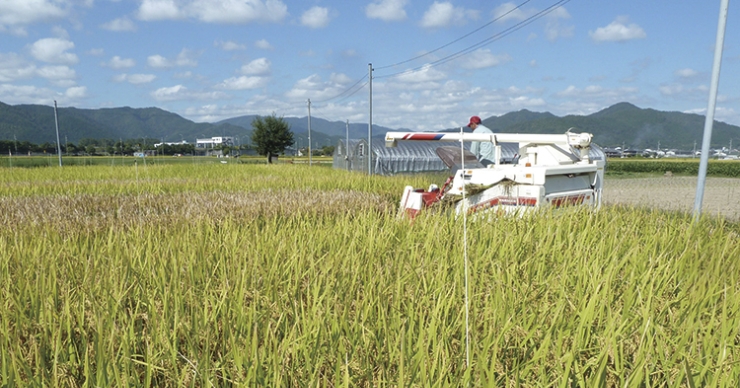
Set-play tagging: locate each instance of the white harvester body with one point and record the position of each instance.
(548, 170)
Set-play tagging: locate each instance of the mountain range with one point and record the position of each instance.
(622, 124)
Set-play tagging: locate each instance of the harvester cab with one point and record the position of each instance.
(547, 170)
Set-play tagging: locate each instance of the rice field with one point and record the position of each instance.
(254, 275)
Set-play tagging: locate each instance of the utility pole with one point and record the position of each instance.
(346, 148)
(309, 132)
(707, 139)
(370, 124)
(56, 124)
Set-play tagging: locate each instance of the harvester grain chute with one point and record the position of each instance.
(548, 170)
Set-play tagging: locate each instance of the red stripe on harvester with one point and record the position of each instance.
(422, 136)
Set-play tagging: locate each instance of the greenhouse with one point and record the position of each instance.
(407, 156)
(410, 156)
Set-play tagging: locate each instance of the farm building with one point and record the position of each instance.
(409, 156)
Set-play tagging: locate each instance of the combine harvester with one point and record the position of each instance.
(547, 171)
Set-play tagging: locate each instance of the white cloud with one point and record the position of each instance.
(238, 11)
(553, 28)
(425, 74)
(76, 92)
(509, 11)
(341, 79)
(169, 93)
(53, 50)
(183, 75)
(136, 79)
(525, 102)
(482, 58)
(96, 52)
(214, 11)
(119, 25)
(260, 66)
(230, 46)
(24, 94)
(150, 10)
(263, 44)
(591, 92)
(242, 83)
(120, 63)
(315, 87)
(686, 73)
(14, 67)
(316, 17)
(553, 31)
(180, 92)
(17, 31)
(23, 12)
(445, 15)
(57, 73)
(671, 90)
(184, 58)
(60, 32)
(27, 94)
(618, 31)
(387, 10)
(158, 62)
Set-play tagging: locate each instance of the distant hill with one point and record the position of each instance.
(620, 124)
(35, 123)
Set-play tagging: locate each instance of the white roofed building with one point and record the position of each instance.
(212, 142)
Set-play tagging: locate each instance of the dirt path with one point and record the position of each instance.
(721, 195)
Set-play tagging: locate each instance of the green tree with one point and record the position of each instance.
(271, 136)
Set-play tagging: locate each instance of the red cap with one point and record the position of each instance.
(474, 120)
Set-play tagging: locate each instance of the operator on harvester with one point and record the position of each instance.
(482, 150)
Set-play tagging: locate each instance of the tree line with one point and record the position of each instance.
(89, 146)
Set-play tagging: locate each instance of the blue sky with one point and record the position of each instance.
(435, 63)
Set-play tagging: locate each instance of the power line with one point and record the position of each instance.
(346, 91)
(353, 89)
(419, 56)
(482, 43)
(458, 39)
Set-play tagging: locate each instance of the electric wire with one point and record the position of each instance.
(420, 56)
(353, 89)
(456, 40)
(346, 90)
(482, 43)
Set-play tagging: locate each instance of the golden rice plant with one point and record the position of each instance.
(297, 276)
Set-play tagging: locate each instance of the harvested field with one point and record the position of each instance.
(721, 195)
